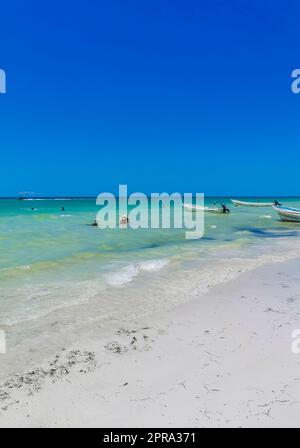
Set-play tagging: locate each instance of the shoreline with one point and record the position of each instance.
(206, 362)
(30, 342)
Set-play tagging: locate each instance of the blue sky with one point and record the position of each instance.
(160, 95)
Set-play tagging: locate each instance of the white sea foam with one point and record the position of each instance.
(23, 267)
(153, 265)
(128, 273)
(48, 199)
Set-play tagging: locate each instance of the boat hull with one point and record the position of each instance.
(288, 214)
(238, 203)
(198, 208)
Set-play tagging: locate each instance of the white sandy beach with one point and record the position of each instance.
(223, 359)
(149, 216)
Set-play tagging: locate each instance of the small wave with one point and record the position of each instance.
(22, 267)
(29, 209)
(153, 265)
(128, 273)
(9, 272)
(47, 199)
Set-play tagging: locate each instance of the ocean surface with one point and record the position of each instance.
(52, 261)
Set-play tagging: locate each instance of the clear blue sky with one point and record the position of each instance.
(162, 95)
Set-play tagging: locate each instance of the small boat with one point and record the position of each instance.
(288, 213)
(196, 208)
(237, 203)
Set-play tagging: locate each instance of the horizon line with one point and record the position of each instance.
(149, 196)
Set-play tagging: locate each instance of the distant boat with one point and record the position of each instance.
(195, 208)
(288, 213)
(251, 204)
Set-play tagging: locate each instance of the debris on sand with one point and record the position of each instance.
(133, 339)
(59, 367)
(115, 347)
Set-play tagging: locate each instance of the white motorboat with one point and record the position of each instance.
(197, 208)
(288, 213)
(238, 203)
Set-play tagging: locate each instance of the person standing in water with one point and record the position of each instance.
(225, 208)
(124, 220)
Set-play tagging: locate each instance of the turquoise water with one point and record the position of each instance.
(51, 258)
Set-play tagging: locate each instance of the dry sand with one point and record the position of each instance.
(222, 360)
